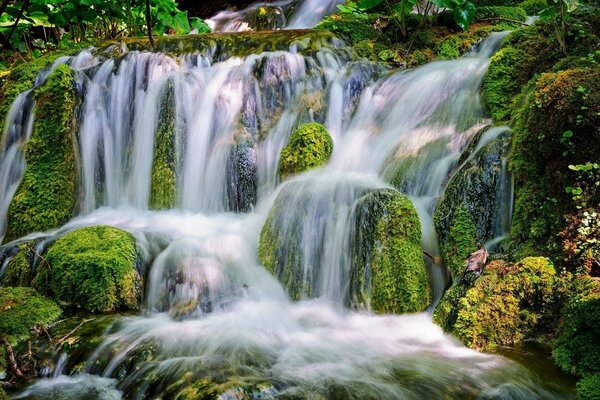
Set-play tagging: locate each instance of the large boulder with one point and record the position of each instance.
(386, 272)
(92, 268)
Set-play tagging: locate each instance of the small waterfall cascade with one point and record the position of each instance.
(279, 14)
(217, 124)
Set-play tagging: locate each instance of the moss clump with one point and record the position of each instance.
(310, 146)
(93, 268)
(589, 388)
(46, 197)
(389, 273)
(495, 12)
(446, 312)
(163, 188)
(23, 308)
(576, 348)
(352, 27)
(507, 304)
(485, 3)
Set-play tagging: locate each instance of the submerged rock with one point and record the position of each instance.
(309, 147)
(92, 268)
(46, 196)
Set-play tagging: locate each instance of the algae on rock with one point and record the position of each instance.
(93, 268)
(47, 194)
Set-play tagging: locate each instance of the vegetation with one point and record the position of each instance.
(37, 26)
(508, 303)
(92, 268)
(46, 197)
(308, 147)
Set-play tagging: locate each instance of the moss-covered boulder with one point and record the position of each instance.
(308, 147)
(508, 303)
(47, 194)
(19, 270)
(21, 309)
(92, 268)
(389, 272)
(474, 206)
(490, 13)
(386, 272)
(446, 311)
(163, 179)
(533, 7)
(576, 348)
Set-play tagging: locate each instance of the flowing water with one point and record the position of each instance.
(202, 250)
(279, 14)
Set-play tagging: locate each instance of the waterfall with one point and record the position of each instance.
(212, 312)
(279, 14)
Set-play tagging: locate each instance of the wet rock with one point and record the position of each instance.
(309, 147)
(241, 177)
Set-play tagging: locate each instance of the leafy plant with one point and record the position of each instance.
(557, 12)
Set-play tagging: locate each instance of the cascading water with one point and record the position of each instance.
(279, 14)
(213, 313)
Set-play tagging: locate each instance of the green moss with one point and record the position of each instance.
(499, 84)
(589, 388)
(389, 270)
(533, 7)
(46, 197)
(460, 241)
(3, 395)
(93, 268)
(446, 312)
(21, 309)
(309, 146)
(507, 304)
(484, 3)
(576, 348)
(163, 189)
(501, 12)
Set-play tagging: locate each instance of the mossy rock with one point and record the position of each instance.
(576, 348)
(47, 194)
(508, 303)
(21, 309)
(92, 268)
(589, 388)
(351, 27)
(3, 395)
(308, 147)
(389, 272)
(18, 271)
(469, 209)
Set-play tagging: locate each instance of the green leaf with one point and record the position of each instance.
(368, 4)
(464, 14)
